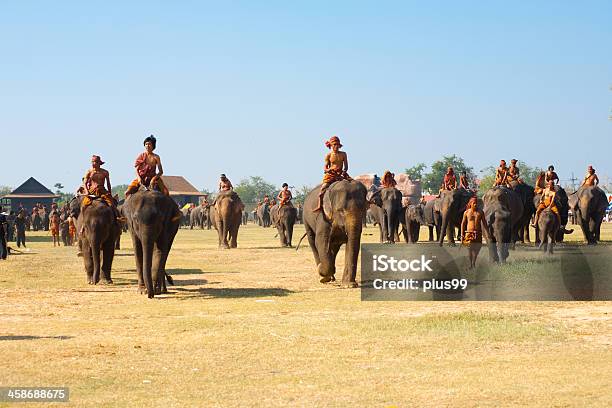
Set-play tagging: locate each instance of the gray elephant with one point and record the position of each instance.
(414, 219)
(340, 222)
(153, 220)
(503, 211)
(589, 205)
(386, 209)
(97, 231)
(548, 226)
(451, 205)
(284, 220)
(226, 217)
(432, 219)
(263, 215)
(526, 194)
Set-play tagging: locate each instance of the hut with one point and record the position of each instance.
(182, 191)
(27, 195)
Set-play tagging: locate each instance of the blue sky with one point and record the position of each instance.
(254, 88)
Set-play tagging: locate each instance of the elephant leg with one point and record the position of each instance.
(139, 260)
(326, 267)
(431, 233)
(96, 248)
(108, 254)
(88, 261)
(158, 275)
(310, 234)
(351, 255)
(493, 254)
(234, 234)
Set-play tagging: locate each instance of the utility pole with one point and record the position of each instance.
(573, 179)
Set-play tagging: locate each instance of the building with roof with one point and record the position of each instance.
(28, 195)
(182, 191)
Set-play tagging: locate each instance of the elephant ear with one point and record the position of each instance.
(327, 207)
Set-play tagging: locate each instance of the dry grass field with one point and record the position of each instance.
(253, 327)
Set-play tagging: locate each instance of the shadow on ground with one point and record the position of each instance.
(22, 338)
(231, 293)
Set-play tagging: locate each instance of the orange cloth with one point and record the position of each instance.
(388, 180)
(285, 197)
(159, 183)
(544, 203)
(99, 192)
(332, 176)
(472, 237)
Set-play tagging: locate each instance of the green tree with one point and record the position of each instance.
(433, 180)
(299, 194)
(120, 189)
(59, 188)
(416, 172)
(4, 190)
(253, 189)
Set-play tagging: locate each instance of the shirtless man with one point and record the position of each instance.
(547, 201)
(148, 170)
(94, 183)
(591, 178)
(501, 174)
(450, 180)
(54, 227)
(225, 184)
(464, 183)
(388, 180)
(336, 167)
(472, 230)
(551, 175)
(284, 197)
(513, 173)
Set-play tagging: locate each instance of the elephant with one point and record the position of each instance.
(196, 217)
(245, 218)
(284, 221)
(503, 211)
(451, 204)
(548, 226)
(589, 204)
(432, 218)
(340, 222)
(562, 203)
(263, 215)
(98, 231)
(386, 208)
(153, 220)
(414, 219)
(226, 217)
(526, 194)
(186, 217)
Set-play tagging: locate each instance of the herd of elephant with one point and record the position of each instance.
(153, 221)
(508, 212)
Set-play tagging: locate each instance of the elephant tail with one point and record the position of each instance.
(300, 243)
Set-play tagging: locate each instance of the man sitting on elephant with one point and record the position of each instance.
(464, 182)
(284, 197)
(590, 179)
(450, 180)
(205, 202)
(513, 174)
(336, 167)
(501, 174)
(147, 165)
(225, 184)
(548, 201)
(94, 184)
(551, 175)
(388, 180)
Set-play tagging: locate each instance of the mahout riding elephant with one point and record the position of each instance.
(284, 221)
(263, 215)
(451, 205)
(589, 205)
(548, 227)
(432, 218)
(503, 210)
(97, 230)
(414, 219)
(562, 203)
(386, 208)
(153, 221)
(340, 222)
(226, 217)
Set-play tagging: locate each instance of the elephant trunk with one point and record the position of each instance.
(445, 220)
(353, 232)
(96, 246)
